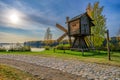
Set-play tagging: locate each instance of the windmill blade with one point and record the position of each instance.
(61, 28)
(61, 37)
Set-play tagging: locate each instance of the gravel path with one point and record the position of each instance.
(40, 72)
(90, 71)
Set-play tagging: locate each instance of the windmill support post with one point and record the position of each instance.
(67, 19)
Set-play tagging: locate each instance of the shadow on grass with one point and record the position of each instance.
(100, 53)
(86, 54)
(69, 53)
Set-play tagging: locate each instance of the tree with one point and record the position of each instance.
(95, 12)
(48, 37)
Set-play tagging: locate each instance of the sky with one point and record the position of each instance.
(27, 20)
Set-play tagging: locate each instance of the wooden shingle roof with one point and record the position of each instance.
(79, 16)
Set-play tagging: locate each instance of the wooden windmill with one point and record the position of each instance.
(79, 28)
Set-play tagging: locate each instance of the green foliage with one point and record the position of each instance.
(25, 48)
(114, 47)
(60, 47)
(2, 49)
(63, 46)
(100, 24)
(97, 40)
(47, 47)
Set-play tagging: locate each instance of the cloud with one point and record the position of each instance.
(31, 18)
(37, 15)
(43, 15)
(34, 20)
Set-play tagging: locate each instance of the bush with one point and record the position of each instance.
(47, 48)
(60, 47)
(21, 49)
(113, 47)
(26, 48)
(2, 49)
(63, 47)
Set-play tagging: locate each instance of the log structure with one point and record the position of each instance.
(79, 28)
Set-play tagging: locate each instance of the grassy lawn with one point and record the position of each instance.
(93, 56)
(9, 73)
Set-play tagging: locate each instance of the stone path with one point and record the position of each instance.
(90, 71)
(40, 72)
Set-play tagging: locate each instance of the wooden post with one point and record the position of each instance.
(64, 50)
(54, 49)
(108, 47)
(67, 19)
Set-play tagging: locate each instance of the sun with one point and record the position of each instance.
(14, 18)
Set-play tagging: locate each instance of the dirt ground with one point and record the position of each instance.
(40, 72)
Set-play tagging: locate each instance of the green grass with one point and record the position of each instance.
(92, 56)
(9, 73)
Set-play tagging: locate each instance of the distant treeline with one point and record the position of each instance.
(40, 44)
(114, 44)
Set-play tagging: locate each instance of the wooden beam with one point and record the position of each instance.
(61, 28)
(61, 37)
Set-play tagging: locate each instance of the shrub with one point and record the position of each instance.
(24, 48)
(2, 49)
(60, 47)
(63, 47)
(47, 48)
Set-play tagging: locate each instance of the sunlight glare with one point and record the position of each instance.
(14, 18)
